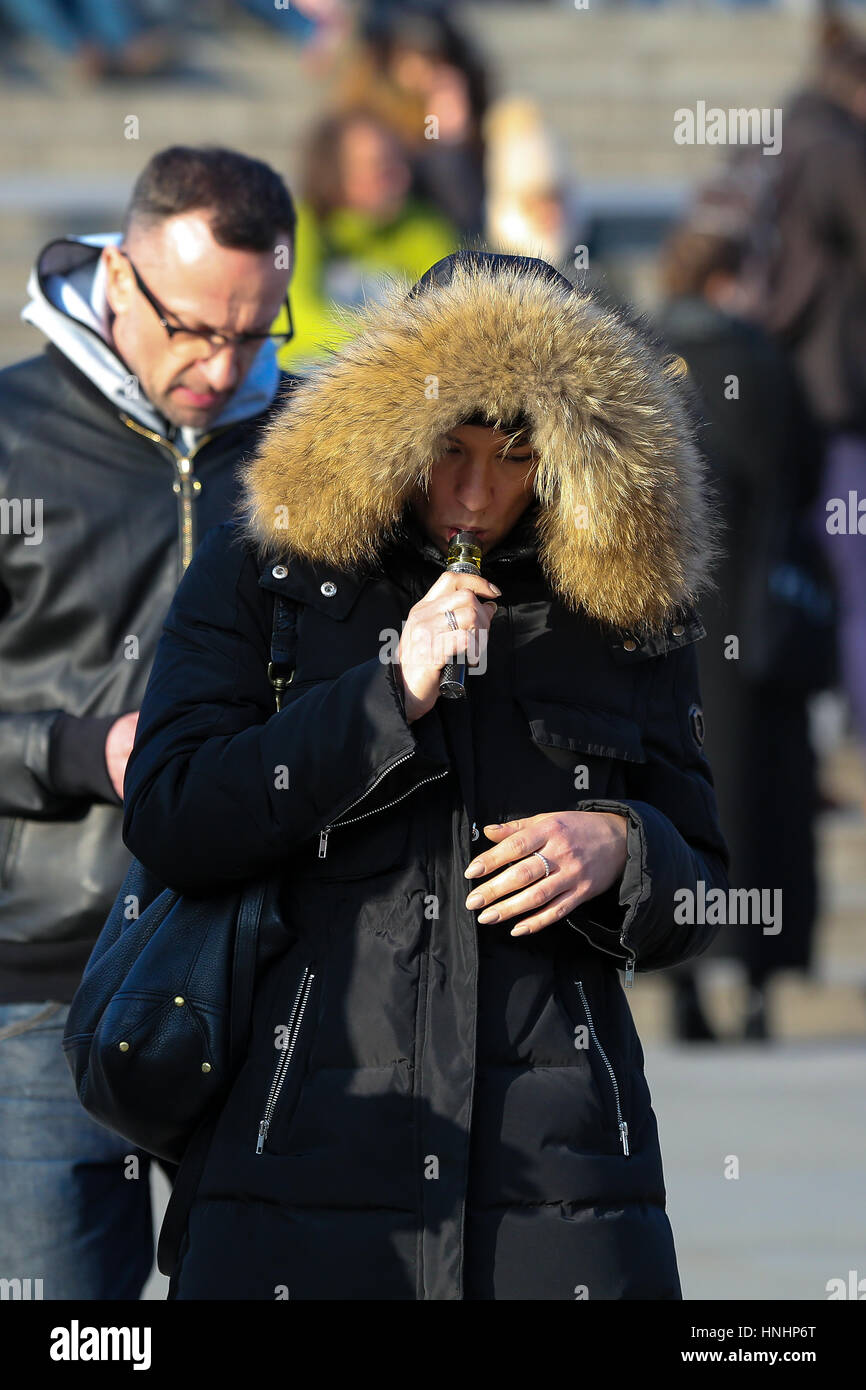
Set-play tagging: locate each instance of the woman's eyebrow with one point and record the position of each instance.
(518, 444)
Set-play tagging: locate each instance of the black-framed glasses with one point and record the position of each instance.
(178, 333)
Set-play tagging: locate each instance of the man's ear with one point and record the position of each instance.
(119, 280)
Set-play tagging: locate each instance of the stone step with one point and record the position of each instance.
(607, 81)
(826, 1006)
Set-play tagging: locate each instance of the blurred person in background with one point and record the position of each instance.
(318, 27)
(118, 451)
(816, 306)
(358, 222)
(756, 670)
(415, 67)
(532, 206)
(115, 40)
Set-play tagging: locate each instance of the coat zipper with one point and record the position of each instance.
(623, 1127)
(15, 826)
(294, 1029)
(323, 834)
(629, 965)
(184, 483)
(630, 952)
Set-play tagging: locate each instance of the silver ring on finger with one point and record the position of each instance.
(452, 621)
(545, 862)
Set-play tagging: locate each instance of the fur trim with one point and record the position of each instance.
(625, 532)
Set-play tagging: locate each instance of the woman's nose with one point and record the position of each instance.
(474, 487)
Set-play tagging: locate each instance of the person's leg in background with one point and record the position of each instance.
(779, 854)
(75, 1206)
(844, 473)
(47, 21)
(726, 715)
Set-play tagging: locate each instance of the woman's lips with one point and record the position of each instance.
(452, 531)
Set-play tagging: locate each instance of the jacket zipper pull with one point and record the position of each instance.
(623, 1134)
(264, 1125)
(629, 971)
(323, 842)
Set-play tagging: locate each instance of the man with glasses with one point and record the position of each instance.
(118, 449)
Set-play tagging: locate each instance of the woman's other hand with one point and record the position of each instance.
(586, 851)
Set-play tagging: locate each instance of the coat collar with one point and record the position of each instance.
(334, 591)
(519, 544)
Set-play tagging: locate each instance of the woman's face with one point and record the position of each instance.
(476, 486)
(373, 171)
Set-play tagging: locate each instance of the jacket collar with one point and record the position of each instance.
(67, 302)
(519, 544)
(312, 583)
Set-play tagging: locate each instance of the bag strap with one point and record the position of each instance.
(283, 640)
(244, 969)
(284, 637)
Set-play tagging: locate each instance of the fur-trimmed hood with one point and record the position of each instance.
(625, 528)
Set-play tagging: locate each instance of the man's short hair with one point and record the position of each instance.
(248, 203)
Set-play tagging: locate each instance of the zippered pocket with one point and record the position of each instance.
(367, 842)
(345, 819)
(622, 1126)
(293, 1029)
(630, 953)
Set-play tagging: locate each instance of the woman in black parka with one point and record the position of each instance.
(433, 1107)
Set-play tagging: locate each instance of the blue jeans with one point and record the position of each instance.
(845, 472)
(66, 26)
(74, 1198)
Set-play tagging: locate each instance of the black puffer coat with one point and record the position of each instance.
(431, 1108)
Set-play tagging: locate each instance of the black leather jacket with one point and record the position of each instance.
(82, 602)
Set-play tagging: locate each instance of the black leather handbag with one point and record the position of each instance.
(159, 1023)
